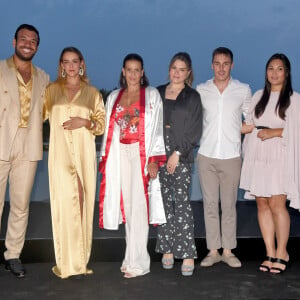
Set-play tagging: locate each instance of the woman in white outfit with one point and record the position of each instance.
(132, 151)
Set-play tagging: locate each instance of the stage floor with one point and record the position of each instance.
(108, 245)
(217, 282)
(107, 282)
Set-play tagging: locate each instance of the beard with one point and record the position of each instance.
(22, 57)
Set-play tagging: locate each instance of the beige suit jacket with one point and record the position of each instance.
(10, 112)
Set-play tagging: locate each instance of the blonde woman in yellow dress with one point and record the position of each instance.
(76, 114)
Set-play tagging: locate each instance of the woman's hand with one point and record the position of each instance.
(172, 163)
(76, 122)
(152, 169)
(269, 133)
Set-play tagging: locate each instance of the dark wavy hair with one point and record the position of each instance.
(185, 57)
(286, 92)
(30, 28)
(136, 57)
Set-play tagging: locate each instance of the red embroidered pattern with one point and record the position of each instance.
(128, 119)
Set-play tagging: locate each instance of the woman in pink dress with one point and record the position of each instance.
(263, 171)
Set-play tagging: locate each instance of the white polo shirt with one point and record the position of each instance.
(222, 118)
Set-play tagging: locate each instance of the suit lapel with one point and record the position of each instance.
(11, 83)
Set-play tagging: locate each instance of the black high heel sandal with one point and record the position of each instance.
(286, 263)
(265, 268)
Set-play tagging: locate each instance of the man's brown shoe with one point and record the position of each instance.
(210, 260)
(231, 260)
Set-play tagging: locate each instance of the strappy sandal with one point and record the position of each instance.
(167, 263)
(264, 268)
(279, 270)
(187, 270)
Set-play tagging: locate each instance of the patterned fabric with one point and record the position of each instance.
(177, 235)
(25, 91)
(128, 120)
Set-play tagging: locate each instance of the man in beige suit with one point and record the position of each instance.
(22, 87)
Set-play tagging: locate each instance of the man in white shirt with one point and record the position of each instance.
(224, 101)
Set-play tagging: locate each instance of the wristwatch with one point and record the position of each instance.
(177, 152)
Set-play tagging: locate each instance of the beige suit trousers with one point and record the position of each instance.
(219, 179)
(20, 174)
(137, 259)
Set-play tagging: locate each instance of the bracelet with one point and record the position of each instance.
(177, 152)
(92, 125)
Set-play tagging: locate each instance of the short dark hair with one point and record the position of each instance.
(136, 57)
(30, 28)
(222, 50)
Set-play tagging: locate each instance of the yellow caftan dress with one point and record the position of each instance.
(72, 153)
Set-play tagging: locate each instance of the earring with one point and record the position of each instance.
(142, 81)
(81, 71)
(63, 73)
(123, 81)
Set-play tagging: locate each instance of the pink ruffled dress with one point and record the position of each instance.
(264, 162)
